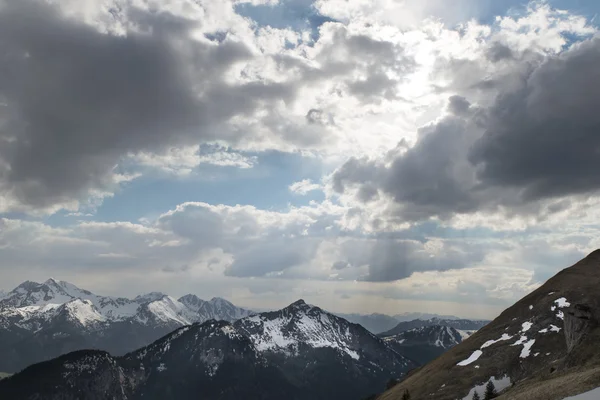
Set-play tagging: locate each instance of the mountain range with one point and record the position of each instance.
(39, 321)
(299, 352)
(411, 316)
(465, 326)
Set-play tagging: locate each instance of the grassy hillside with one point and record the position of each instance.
(561, 363)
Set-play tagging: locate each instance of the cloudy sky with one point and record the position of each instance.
(365, 155)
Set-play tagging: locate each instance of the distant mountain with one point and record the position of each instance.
(217, 308)
(375, 323)
(425, 343)
(300, 352)
(411, 316)
(543, 347)
(39, 321)
(466, 326)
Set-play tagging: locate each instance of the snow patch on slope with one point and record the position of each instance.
(491, 342)
(562, 303)
(84, 312)
(526, 351)
(552, 328)
(472, 358)
(525, 326)
(168, 309)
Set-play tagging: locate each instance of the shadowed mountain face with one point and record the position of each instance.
(543, 347)
(466, 325)
(425, 343)
(299, 352)
(39, 321)
(374, 323)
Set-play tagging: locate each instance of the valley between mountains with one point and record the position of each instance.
(84, 346)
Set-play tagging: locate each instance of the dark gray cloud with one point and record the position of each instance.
(545, 138)
(76, 100)
(499, 51)
(432, 178)
(271, 256)
(339, 265)
(392, 259)
(535, 145)
(458, 105)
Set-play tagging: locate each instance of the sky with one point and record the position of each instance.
(367, 155)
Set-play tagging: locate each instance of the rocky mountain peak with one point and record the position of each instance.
(298, 303)
(149, 297)
(191, 299)
(219, 301)
(51, 282)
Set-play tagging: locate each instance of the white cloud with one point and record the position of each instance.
(367, 83)
(304, 186)
(182, 161)
(219, 248)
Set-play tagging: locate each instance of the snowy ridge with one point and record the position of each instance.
(83, 311)
(32, 304)
(300, 323)
(167, 309)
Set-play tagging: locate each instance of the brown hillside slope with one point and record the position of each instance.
(549, 349)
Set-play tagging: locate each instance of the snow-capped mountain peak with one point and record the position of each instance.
(148, 297)
(220, 302)
(166, 310)
(301, 324)
(217, 308)
(36, 294)
(299, 304)
(192, 301)
(82, 311)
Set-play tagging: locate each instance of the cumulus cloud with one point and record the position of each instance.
(182, 161)
(76, 100)
(526, 152)
(302, 243)
(304, 186)
(248, 250)
(542, 138)
(133, 84)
